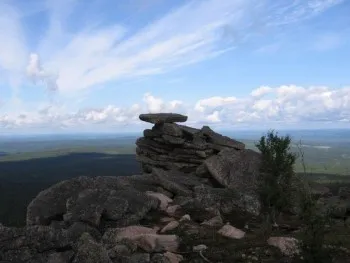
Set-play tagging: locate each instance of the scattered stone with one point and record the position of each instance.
(170, 226)
(115, 235)
(231, 232)
(164, 200)
(287, 245)
(214, 222)
(157, 243)
(200, 247)
(186, 217)
(173, 258)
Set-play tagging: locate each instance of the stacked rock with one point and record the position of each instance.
(172, 146)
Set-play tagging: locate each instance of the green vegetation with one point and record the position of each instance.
(324, 164)
(276, 188)
(277, 173)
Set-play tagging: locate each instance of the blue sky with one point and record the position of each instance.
(74, 65)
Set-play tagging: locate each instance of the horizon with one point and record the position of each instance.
(226, 132)
(70, 66)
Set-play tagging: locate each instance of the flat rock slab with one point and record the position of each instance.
(158, 118)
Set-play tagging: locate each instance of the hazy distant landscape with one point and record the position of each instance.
(326, 151)
(31, 164)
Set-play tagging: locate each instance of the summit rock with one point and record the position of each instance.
(158, 118)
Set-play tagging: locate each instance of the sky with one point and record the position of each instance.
(94, 66)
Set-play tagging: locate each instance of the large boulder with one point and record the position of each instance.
(235, 169)
(228, 200)
(90, 200)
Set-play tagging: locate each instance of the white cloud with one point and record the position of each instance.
(154, 104)
(37, 73)
(214, 117)
(213, 102)
(321, 5)
(261, 91)
(286, 105)
(184, 36)
(298, 10)
(99, 54)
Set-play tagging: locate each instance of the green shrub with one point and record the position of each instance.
(276, 173)
(278, 186)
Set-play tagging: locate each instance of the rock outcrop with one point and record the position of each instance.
(171, 146)
(192, 180)
(98, 219)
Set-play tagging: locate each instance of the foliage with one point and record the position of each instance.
(276, 173)
(276, 193)
(315, 219)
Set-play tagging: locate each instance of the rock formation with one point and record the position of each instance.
(171, 146)
(192, 180)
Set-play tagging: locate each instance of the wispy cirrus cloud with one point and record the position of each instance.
(103, 53)
(298, 10)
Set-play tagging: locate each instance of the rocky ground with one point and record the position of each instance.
(195, 202)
